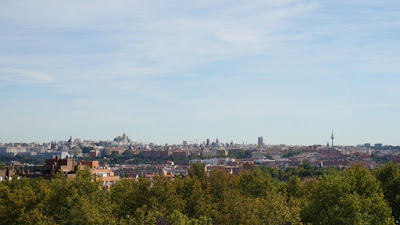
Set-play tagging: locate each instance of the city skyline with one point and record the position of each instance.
(259, 141)
(164, 72)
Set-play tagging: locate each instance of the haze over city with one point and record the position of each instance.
(165, 71)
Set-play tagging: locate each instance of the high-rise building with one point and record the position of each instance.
(208, 142)
(260, 141)
(378, 145)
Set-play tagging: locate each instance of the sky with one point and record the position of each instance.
(167, 71)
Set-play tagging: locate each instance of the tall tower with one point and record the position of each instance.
(260, 142)
(332, 137)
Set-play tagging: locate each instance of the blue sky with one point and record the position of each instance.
(165, 71)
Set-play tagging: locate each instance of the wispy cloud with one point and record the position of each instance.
(24, 75)
(169, 36)
(142, 62)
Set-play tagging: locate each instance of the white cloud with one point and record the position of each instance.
(249, 58)
(170, 34)
(24, 75)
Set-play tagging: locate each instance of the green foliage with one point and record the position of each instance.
(351, 196)
(255, 183)
(220, 183)
(197, 170)
(240, 154)
(294, 187)
(178, 218)
(130, 195)
(21, 159)
(304, 171)
(164, 196)
(271, 209)
(389, 176)
(273, 172)
(195, 196)
(290, 154)
(139, 217)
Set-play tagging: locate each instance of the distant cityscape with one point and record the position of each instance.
(124, 158)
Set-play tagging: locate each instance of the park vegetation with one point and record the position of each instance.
(261, 196)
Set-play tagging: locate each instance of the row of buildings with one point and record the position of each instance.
(66, 166)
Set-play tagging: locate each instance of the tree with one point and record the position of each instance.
(294, 187)
(255, 183)
(195, 197)
(141, 216)
(129, 195)
(164, 197)
(272, 209)
(276, 209)
(34, 217)
(351, 197)
(178, 218)
(19, 198)
(197, 170)
(389, 176)
(220, 182)
(78, 201)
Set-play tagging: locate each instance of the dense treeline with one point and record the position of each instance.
(21, 159)
(262, 196)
